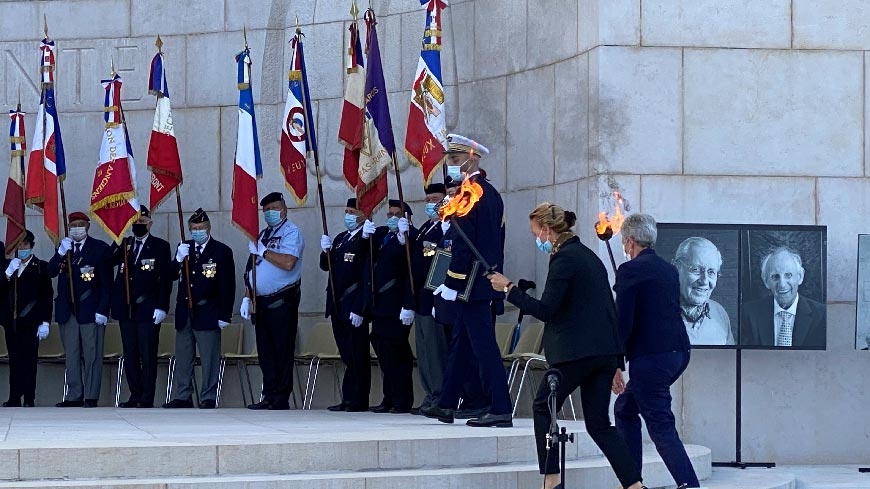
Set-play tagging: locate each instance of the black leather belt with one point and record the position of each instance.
(294, 285)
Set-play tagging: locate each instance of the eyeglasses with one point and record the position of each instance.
(698, 271)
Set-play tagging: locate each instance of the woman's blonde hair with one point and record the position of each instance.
(554, 217)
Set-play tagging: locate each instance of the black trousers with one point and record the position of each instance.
(139, 340)
(353, 346)
(594, 377)
(277, 321)
(390, 340)
(22, 343)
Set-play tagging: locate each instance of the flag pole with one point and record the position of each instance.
(319, 182)
(23, 207)
(126, 242)
(253, 257)
(407, 216)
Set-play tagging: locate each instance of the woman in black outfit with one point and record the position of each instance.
(580, 339)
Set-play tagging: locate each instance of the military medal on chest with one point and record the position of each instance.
(87, 273)
(148, 264)
(209, 269)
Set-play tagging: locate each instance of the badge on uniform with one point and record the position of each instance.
(429, 248)
(87, 273)
(148, 264)
(274, 243)
(348, 257)
(209, 269)
(448, 245)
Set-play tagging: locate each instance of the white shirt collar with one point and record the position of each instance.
(201, 246)
(791, 310)
(351, 234)
(24, 264)
(143, 238)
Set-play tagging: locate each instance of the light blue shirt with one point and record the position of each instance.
(285, 238)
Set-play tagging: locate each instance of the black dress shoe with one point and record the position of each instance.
(28, 404)
(178, 404)
(492, 421)
(12, 404)
(337, 408)
(90, 403)
(70, 404)
(356, 409)
(128, 404)
(264, 404)
(435, 412)
(207, 404)
(285, 406)
(470, 413)
(400, 410)
(145, 406)
(380, 409)
(415, 411)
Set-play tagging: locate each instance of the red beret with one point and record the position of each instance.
(79, 216)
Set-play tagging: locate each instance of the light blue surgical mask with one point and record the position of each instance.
(393, 223)
(455, 173)
(273, 217)
(200, 236)
(24, 254)
(432, 210)
(350, 222)
(544, 246)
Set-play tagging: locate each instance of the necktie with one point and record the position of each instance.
(136, 249)
(266, 235)
(78, 252)
(785, 328)
(197, 253)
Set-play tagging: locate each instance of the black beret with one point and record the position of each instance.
(28, 236)
(199, 216)
(351, 202)
(397, 203)
(273, 197)
(143, 211)
(436, 188)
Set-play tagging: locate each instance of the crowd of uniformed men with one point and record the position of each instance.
(372, 301)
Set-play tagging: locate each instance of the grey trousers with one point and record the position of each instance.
(431, 339)
(187, 342)
(83, 348)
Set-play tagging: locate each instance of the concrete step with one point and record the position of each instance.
(587, 473)
(775, 478)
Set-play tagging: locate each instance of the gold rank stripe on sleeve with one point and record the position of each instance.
(457, 276)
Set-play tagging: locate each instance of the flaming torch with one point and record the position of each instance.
(605, 228)
(468, 194)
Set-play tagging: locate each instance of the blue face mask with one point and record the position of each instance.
(455, 173)
(24, 254)
(350, 222)
(272, 217)
(393, 223)
(200, 236)
(432, 210)
(544, 246)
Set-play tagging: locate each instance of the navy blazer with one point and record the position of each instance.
(34, 295)
(92, 296)
(756, 324)
(212, 286)
(432, 233)
(392, 286)
(151, 278)
(648, 306)
(350, 254)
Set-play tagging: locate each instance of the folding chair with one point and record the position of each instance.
(242, 361)
(319, 347)
(51, 351)
(503, 335)
(113, 351)
(4, 352)
(231, 344)
(166, 353)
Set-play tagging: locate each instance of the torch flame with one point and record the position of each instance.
(462, 203)
(615, 224)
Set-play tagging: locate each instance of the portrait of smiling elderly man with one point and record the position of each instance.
(699, 262)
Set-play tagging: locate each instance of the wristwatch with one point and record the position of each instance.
(507, 287)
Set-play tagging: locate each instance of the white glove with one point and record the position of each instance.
(13, 266)
(181, 252)
(446, 293)
(245, 309)
(257, 248)
(325, 243)
(404, 225)
(42, 331)
(356, 320)
(66, 244)
(100, 319)
(445, 225)
(368, 229)
(159, 316)
(222, 324)
(407, 317)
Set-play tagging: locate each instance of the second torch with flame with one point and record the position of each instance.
(606, 227)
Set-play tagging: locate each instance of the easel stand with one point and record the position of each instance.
(738, 462)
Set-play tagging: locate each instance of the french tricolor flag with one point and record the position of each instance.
(350, 129)
(248, 167)
(163, 159)
(13, 205)
(297, 135)
(46, 166)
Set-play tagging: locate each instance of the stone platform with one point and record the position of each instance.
(231, 448)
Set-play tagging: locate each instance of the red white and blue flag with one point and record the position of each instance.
(248, 167)
(297, 134)
(426, 138)
(350, 129)
(113, 195)
(378, 144)
(163, 159)
(46, 166)
(13, 205)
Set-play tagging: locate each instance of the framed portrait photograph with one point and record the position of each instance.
(862, 320)
(783, 287)
(707, 258)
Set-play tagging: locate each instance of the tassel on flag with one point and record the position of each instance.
(13, 205)
(46, 166)
(163, 159)
(426, 138)
(113, 197)
(350, 129)
(248, 167)
(378, 144)
(297, 134)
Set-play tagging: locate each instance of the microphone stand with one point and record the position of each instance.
(556, 435)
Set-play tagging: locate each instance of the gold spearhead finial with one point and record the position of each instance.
(19, 98)
(159, 44)
(113, 67)
(354, 11)
(45, 25)
(298, 29)
(245, 34)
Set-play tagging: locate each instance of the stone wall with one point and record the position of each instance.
(718, 111)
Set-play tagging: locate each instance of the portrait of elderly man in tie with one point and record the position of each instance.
(699, 262)
(785, 319)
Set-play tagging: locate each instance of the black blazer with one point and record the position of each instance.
(756, 325)
(34, 295)
(432, 233)
(92, 296)
(350, 254)
(648, 306)
(576, 306)
(392, 286)
(213, 286)
(150, 286)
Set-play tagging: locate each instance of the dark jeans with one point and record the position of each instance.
(648, 394)
(277, 321)
(22, 345)
(594, 377)
(390, 341)
(353, 346)
(139, 340)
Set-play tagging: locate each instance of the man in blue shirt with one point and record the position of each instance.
(278, 254)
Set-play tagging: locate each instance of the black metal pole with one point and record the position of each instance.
(489, 269)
